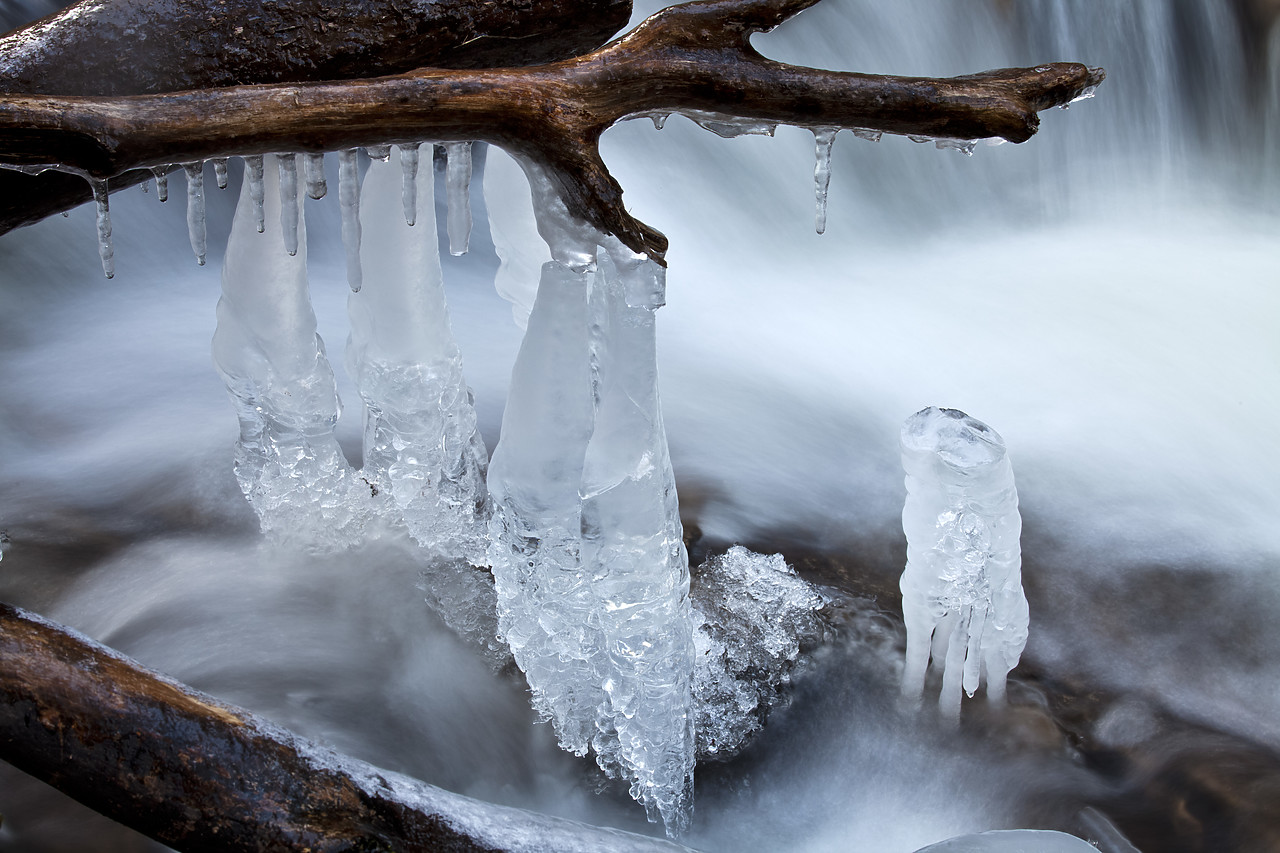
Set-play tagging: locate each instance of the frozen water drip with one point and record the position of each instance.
(195, 209)
(409, 181)
(824, 138)
(103, 218)
(289, 201)
(457, 182)
(313, 170)
(349, 202)
(253, 175)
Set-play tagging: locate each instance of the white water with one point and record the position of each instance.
(1105, 294)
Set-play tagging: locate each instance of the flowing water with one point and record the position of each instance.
(1105, 295)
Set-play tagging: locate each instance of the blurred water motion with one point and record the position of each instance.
(1104, 295)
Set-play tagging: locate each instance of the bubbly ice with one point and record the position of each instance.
(962, 595)
(823, 138)
(254, 169)
(267, 351)
(102, 205)
(756, 619)
(349, 202)
(457, 180)
(290, 205)
(196, 229)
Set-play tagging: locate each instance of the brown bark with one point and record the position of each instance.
(200, 775)
(691, 57)
(127, 47)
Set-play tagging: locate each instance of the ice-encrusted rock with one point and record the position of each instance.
(267, 351)
(962, 596)
(756, 620)
(586, 547)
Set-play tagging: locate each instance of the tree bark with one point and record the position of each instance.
(176, 45)
(200, 775)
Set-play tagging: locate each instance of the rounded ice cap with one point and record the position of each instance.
(961, 442)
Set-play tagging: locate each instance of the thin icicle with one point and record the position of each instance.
(162, 182)
(195, 209)
(409, 185)
(824, 138)
(349, 201)
(145, 191)
(381, 153)
(457, 181)
(289, 201)
(313, 168)
(220, 171)
(105, 251)
(254, 175)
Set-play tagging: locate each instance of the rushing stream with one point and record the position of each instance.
(1106, 296)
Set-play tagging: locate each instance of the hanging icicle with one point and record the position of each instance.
(381, 153)
(289, 201)
(195, 209)
(409, 181)
(220, 171)
(105, 250)
(162, 182)
(349, 201)
(457, 181)
(313, 168)
(824, 138)
(254, 170)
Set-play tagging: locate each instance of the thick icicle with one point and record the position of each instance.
(824, 138)
(313, 169)
(422, 448)
(409, 183)
(220, 171)
(457, 182)
(962, 595)
(380, 153)
(349, 202)
(196, 230)
(253, 178)
(267, 351)
(105, 250)
(162, 182)
(289, 204)
(514, 229)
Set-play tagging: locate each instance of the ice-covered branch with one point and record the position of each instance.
(693, 58)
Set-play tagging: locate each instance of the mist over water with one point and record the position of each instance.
(1105, 295)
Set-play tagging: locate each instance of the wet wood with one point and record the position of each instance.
(694, 57)
(201, 775)
(175, 45)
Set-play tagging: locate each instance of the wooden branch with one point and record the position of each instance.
(694, 57)
(175, 45)
(200, 775)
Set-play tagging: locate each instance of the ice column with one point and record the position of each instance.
(586, 548)
(267, 351)
(962, 595)
(421, 444)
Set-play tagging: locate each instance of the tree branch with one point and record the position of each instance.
(201, 775)
(694, 57)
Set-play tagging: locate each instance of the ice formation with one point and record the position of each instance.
(219, 172)
(1012, 841)
(267, 351)
(162, 182)
(254, 169)
(590, 568)
(962, 596)
(409, 182)
(196, 230)
(823, 138)
(313, 171)
(349, 202)
(290, 204)
(457, 173)
(755, 618)
(102, 205)
(514, 228)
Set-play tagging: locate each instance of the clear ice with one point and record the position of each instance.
(254, 169)
(409, 182)
(962, 596)
(349, 202)
(726, 126)
(220, 171)
(196, 230)
(457, 172)
(823, 138)
(162, 182)
(313, 170)
(266, 349)
(585, 538)
(290, 205)
(102, 204)
(756, 621)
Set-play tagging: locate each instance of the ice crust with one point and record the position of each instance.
(756, 620)
(962, 596)
(1012, 841)
(585, 541)
(280, 381)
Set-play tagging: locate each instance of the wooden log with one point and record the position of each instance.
(201, 775)
(174, 45)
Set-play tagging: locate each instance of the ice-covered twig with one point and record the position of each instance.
(696, 56)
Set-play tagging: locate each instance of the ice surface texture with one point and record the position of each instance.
(1012, 841)
(273, 363)
(586, 549)
(756, 618)
(962, 596)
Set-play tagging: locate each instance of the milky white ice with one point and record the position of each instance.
(267, 351)
(1012, 841)
(962, 596)
(586, 544)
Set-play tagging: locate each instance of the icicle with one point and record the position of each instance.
(162, 182)
(313, 168)
(964, 146)
(869, 135)
(381, 153)
(105, 251)
(220, 171)
(289, 201)
(919, 139)
(195, 209)
(409, 186)
(457, 181)
(145, 191)
(349, 201)
(729, 127)
(254, 175)
(659, 120)
(824, 138)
